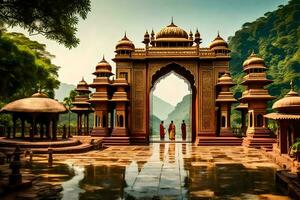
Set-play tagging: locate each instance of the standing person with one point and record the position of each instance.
(172, 131)
(162, 130)
(183, 130)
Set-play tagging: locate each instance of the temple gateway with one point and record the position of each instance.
(122, 105)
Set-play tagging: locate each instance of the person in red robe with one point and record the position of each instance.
(183, 130)
(162, 130)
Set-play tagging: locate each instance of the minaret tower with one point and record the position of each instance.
(100, 98)
(82, 107)
(224, 100)
(256, 96)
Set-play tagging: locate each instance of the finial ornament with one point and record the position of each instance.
(172, 21)
(218, 33)
(82, 79)
(292, 85)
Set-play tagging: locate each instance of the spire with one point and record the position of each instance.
(292, 92)
(82, 79)
(103, 58)
(172, 23)
(218, 33)
(292, 85)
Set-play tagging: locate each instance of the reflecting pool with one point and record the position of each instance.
(164, 171)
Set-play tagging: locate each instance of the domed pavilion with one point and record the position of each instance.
(287, 116)
(40, 111)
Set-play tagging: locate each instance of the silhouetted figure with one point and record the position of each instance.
(183, 130)
(172, 131)
(162, 130)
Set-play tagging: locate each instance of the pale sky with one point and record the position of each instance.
(109, 19)
(174, 92)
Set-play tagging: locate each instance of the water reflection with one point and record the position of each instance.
(173, 171)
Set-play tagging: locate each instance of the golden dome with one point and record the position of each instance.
(218, 42)
(254, 59)
(37, 103)
(82, 86)
(103, 66)
(125, 44)
(290, 103)
(225, 78)
(172, 31)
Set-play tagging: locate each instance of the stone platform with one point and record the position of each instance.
(76, 144)
(220, 141)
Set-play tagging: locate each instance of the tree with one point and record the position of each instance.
(54, 19)
(68, 103)
(25, 67)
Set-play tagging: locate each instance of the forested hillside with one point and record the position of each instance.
(276, 38)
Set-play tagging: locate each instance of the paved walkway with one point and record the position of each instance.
(171, 171)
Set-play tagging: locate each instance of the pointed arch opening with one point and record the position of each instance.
(181, 87)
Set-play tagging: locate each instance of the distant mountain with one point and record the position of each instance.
(161, 109)
(182, 111)
(63, 91)
(154, 125)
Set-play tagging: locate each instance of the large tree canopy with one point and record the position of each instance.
(55, 19)
(25, 67)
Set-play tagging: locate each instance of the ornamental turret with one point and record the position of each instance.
(82, 107)
(197, 38)
(146, 38)
(224, 101)
(256, 96)
(120, 98)
(124, 47)
(219, 45)
(100, 98)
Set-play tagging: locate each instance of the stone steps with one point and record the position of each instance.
(115, 141)
(219, 141)
(266, 143)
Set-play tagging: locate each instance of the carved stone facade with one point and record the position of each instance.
(171, 49)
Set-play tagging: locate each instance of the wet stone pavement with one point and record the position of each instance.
(163, 171)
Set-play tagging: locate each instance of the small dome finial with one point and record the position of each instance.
(82, 79)
(103, 57)
(172, 22)
(292, 85)
(218, 33)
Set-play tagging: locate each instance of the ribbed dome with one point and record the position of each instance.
(290, 103)
(172, 31)
(225, 79)
(254, 59)
(218, 43)
(103, 66)
(37, 103)
(125, 44)
(82, 86)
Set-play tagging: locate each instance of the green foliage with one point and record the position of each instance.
(25, 67)
(276, 38)
(55, 20)
(295, 148)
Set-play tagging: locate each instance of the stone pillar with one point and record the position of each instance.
(14, 125)
(54, 128)
(22, 127)
(15, 177)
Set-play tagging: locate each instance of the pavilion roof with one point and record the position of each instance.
(37, 103)
(282, 116)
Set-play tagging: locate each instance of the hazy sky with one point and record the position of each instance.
(109, 19)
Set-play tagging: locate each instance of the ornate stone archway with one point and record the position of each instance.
(189, 77)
